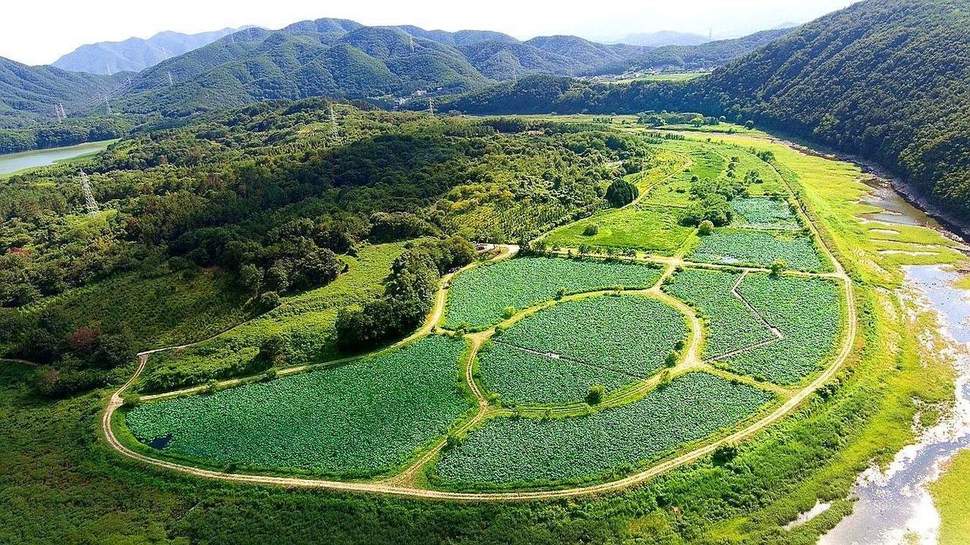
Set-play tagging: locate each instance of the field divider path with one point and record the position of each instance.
(570, 359)
(688, 362)
(776, 334)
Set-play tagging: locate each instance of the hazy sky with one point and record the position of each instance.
(39, 31)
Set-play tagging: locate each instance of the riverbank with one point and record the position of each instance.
(14, 163)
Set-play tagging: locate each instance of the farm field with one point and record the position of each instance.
(523, 377)
(807, 311)
(731, 326)
(480, 297)
(758, 249)
(613, 337)
(533, 452)
(356, 420)
(764, 213)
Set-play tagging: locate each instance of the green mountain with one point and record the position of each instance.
(29, 94)
(134, 54)
(888, 80)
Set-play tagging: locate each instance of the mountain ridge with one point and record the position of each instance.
(135, 54)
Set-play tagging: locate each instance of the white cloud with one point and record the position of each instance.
(39, 31)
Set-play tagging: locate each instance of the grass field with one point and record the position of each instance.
(619, 339)
(649, 229)
(950, 495)
(159, 310)
(480, 297)
(360, 419)
(525, 451)
(305, 323)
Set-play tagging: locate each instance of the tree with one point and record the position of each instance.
(621, 193)
(595, 394)
(749, 124)
(591, 230)
(778, 266)
(269, 300)
(251, 277)
(705, 228)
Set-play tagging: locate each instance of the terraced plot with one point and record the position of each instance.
(479, 297)
(512, 452)
(555, 355)
(764, 213)
(758, 248)
(806, 311)
(357, 420)
(730, 324)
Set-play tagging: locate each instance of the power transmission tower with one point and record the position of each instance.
(171, 80)
(89, 202)
(411, 42)
(107, 104)
(431, 106)
(57, 113)
(333, 124)
(60, 108)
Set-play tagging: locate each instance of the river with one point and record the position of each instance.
(14, 162)
(893, 505)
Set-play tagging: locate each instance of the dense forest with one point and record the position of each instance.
(884, 79)
(271, 196)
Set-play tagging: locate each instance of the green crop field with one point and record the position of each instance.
(621, 339)
(764, 213)
(759, 249)
(730, 325)
(806, 311)
(640, 228)
(360, 419)
(523, 377)
(479, 297)
(525, 451)
(305, 322)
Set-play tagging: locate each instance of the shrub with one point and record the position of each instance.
(705, 228)
(591, 230)
(595, 394)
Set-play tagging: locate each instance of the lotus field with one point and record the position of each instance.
(764, 213)
(617, 339)
(360, 419)
(480, 297)
(759, 249)
(807, 311)
(509, 452)
(730, 325)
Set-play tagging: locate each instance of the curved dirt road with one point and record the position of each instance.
(393, 486)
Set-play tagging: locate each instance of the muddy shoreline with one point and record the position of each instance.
(905, 189)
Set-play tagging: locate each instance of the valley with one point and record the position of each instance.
(351, 283)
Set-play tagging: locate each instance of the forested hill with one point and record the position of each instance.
(28, 94)
(888, 80)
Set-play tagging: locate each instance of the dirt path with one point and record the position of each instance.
(402, 484)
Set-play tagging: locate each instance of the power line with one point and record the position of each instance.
(333, 123)
(89, 202)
